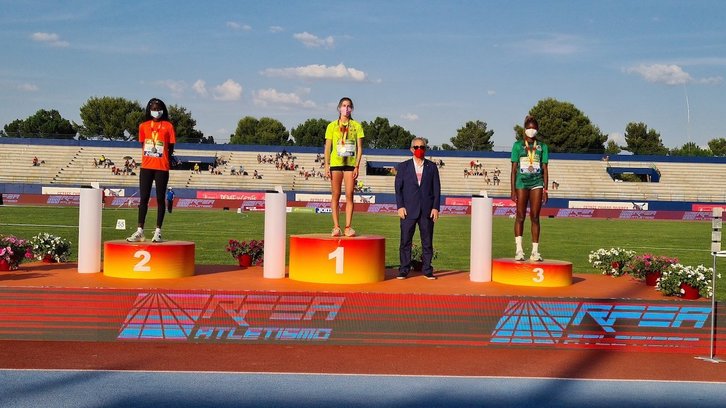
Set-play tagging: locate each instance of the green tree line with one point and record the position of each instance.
(563, 127)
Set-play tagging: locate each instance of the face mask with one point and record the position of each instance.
(419, 153)
(345, 111)
(531, 133)
(156, 114)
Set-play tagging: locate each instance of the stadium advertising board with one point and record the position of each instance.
(496, 202)
(231, 195)
(326, 198)
(609, 205)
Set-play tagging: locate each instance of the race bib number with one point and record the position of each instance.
(347, 149)
(525, 167)
(153, 150)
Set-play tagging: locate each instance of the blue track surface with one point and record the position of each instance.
(42, 388)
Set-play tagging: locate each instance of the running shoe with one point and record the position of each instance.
(137, 236)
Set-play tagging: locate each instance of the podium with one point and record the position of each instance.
(546, 274)
(146, 260)
(321, 258)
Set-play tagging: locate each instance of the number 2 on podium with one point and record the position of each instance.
(339, 255)
(145, 258)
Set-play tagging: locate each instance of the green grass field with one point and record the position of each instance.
(567, 239)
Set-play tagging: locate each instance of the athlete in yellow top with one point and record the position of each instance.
(343, 154)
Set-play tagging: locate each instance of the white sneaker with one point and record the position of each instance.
(137, 236)
(157, 236)
(535, 257)
(519, 256)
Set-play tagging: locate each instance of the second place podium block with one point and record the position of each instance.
(321, 258)
(145, 260)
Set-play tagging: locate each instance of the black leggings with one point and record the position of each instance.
(146, 177)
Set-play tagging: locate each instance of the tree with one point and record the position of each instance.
(640, 140)
(565, 128)
(184, 125)
(379, 134)
(272, 132)
(207, 140)
(310, 133)
(245, 133)
(474, 136)
(265, 131)
(612, 148)
(113, 118)
(718, 146)
(44, 124)
(691, 149)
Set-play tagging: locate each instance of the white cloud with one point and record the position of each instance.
(710, 80)
(51, 39)
(313, 41)
(276, 29)
(409, 116)
(618, 138)
(270, 96)
(200, 87)
(27, 87)
(662, 73)
(175, 87)
(228, 91)
(318, 71)
(553, 44)
(491, 92)
(233, 25)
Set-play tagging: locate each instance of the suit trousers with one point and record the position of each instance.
(426, 231)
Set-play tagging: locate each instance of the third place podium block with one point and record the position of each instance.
(321, 258)
(546, 274)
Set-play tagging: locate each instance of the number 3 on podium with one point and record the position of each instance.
(540, 275)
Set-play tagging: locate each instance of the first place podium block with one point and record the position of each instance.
(146, 260)
(321, 258)
(546, 274)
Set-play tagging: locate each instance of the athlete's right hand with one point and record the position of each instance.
(514, 196)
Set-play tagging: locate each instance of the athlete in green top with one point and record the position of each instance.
(343, 154)
(529, 180)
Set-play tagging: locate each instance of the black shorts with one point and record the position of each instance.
(342, 168)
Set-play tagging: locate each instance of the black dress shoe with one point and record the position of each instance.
(402, 275)
(430, 276)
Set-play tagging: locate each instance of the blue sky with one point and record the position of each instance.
(428, 66)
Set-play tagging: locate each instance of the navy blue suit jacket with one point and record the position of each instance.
(418, 200)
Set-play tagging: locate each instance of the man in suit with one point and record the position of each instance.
(418, 198)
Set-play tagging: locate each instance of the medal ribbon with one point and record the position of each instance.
(344, 131)
(530, 152)
(155, 133)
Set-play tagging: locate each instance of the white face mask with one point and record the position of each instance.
(156, 114)
(531, 133)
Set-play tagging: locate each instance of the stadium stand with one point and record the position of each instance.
(579, 176)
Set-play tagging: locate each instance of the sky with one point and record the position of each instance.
(429, 66)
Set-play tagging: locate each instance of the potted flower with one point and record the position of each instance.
(687, 282)
(611, 261)
(50, 248)
(416, 257)
(247, 252)
(649, 267)
(12, 251)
